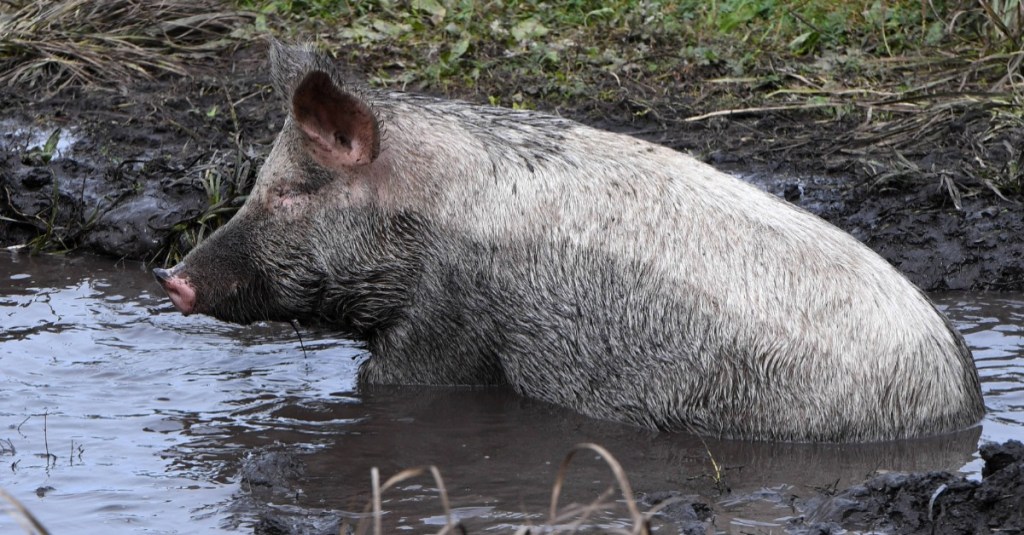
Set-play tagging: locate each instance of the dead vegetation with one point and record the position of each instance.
(22, 516)
(570, 519)
(901, 122)
(52, 45)
(916, 92)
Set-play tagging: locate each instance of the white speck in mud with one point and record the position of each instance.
(23, 137)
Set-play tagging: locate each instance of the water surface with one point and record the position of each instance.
(118, 415)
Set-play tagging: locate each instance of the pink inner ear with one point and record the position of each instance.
(341, 127)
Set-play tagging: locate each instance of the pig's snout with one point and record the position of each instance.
(182, 294)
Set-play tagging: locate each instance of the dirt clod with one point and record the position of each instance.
(933, 502)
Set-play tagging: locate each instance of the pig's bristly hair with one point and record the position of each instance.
(289, 65)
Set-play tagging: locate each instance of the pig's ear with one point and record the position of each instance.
(341, 128)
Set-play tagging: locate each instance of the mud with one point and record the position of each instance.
(893, 503)
(150, 168)
(138, 165)
(934, 502)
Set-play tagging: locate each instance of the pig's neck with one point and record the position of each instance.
(495, 313)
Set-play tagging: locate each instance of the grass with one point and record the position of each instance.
(52, 236)
(226, 178)
(907, 76)
(51, 45)
(438, 43)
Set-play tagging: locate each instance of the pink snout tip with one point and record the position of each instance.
(182, 295)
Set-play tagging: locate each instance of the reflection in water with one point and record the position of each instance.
(101, 386)
(138, 418)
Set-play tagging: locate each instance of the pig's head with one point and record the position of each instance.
(310, 242)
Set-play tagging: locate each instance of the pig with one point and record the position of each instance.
(475, 245)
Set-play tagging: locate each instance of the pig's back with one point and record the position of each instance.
(825, 326)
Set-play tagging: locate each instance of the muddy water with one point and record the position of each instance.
(118, 415)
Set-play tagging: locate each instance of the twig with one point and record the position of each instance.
(18, 429)
(46, 440)
(27, 520)
(763, 109)
(295, 327)
(803, 20)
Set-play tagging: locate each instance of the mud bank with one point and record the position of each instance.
(137, 173)
(145, 172)
(935, 502)
(920, 231)
(896, 503)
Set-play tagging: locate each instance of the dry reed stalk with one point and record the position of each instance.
(639, 521)
(54, 44)
(376, 502)
(26, 519)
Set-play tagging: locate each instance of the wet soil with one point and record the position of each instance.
(136, 166)
(931, 502)
(147, 168)
(939, 502)
(934, 502)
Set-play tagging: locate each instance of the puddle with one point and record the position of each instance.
(19, 137)
(118, 415)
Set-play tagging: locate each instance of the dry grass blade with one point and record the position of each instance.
(573, 517)
(376, 503)
(23, 516)
(639, 522)
(760, 109)
(1005, 17)
(55, 44)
